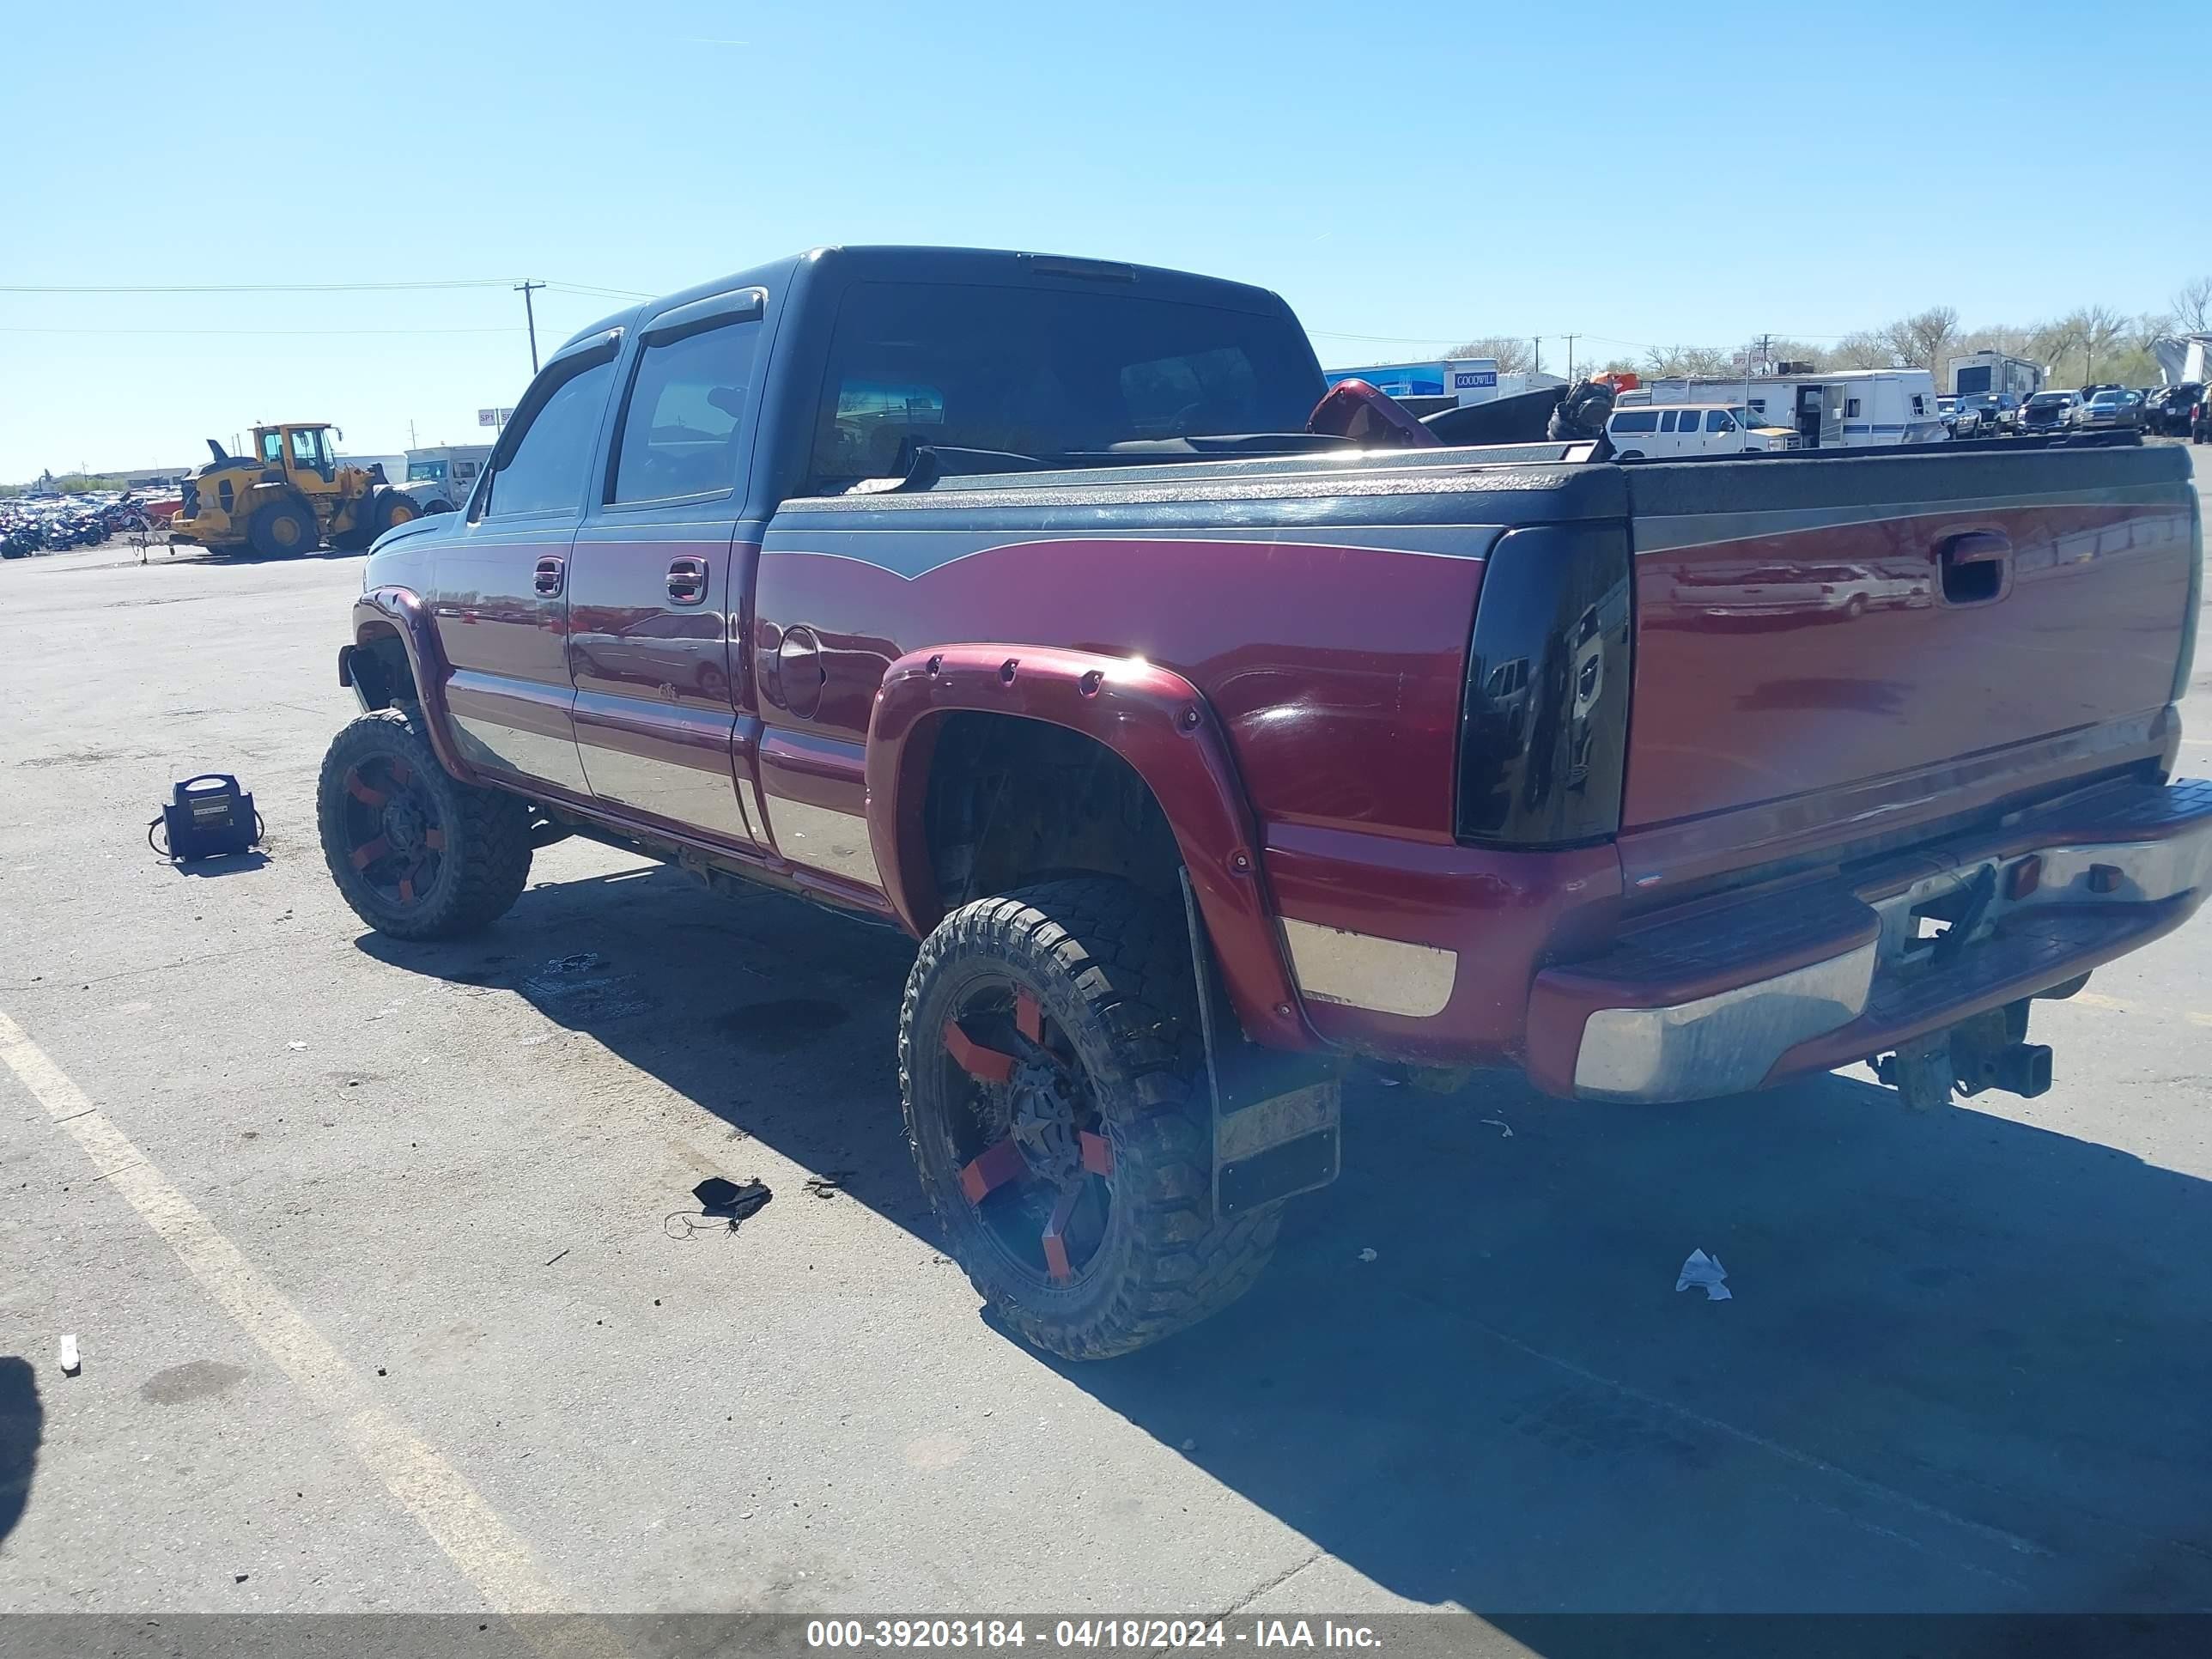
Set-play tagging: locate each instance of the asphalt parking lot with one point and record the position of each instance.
(369, 1250)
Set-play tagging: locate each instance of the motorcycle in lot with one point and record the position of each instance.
(56, 524)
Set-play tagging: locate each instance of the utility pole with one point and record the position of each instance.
(410, 435)
(1570, 359)
(1539, 344)
(529, 315)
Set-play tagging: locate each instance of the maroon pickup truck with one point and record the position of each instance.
(1014, 599)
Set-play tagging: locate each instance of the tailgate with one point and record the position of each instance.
(1832, 650)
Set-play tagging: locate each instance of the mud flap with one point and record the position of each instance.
(1276, 1116)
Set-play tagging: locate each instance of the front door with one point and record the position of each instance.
(501, 597)
(658, 578)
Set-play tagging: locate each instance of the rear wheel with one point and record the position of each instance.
(416, 854)
(282, 527)
(1051, 1074)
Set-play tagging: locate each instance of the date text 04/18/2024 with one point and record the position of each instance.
(991, 1635)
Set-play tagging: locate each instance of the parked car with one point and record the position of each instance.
(2046, 412)
(2200, 417)
(2169, 409)
(1212, 736)
(1966, 419)
(2115, 406)
(2000, 410)
(1672, 431)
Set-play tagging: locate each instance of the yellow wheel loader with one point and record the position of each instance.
(291, 495)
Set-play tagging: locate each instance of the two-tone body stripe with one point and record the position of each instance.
(912, 552)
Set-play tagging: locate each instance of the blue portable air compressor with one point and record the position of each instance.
(207, 817)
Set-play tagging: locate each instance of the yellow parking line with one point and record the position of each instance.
(487, 1550)
(2113, 1005)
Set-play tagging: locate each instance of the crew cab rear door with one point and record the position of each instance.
(501, 584)
(660, 573)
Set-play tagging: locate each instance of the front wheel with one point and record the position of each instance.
(282, 527)
(1052, 1082)
(416, 854)
(395, 507)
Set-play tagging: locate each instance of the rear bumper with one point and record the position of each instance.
(1745, 991)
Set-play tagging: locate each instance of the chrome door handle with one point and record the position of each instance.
(552, 573)
(687, 580)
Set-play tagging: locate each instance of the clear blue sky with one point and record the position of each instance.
(1644, 172)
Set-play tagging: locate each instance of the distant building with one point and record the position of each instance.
(1425, 387)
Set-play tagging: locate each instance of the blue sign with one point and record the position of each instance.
(1464, 379)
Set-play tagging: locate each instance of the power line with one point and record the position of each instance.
(243, 288)
(255, 332)
(593, 290)
(1383, 339)
(598, 293)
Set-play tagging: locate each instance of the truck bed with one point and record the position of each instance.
(1805, 691)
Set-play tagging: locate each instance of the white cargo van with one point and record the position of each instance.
(1670, 431)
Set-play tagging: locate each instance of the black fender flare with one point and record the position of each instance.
(400, 611)
(1154, 718)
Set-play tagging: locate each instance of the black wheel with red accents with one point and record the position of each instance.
(1053, 1081)
(416, 854)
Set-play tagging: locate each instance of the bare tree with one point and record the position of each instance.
(2192, 306)
(2091, 333)
(1514, 356)
(1923, 340)
(1995, 337)
(1673, 362)
(1863, 350)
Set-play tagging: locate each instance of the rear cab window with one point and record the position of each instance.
(1049, 374)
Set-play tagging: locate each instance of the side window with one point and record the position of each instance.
(545, 472)
(682, 427)
(1918, 408)
(1666, 421)
(305, 450)
(272, 448)
(1636, 420)
(1850, 409)
(1719, 420)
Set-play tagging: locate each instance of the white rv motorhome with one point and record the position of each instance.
(1847, 408)
(1992, 371)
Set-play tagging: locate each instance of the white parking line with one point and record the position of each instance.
(488, 1551)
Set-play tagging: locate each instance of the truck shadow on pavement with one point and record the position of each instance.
(22, 1427)
(1964, 1367)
